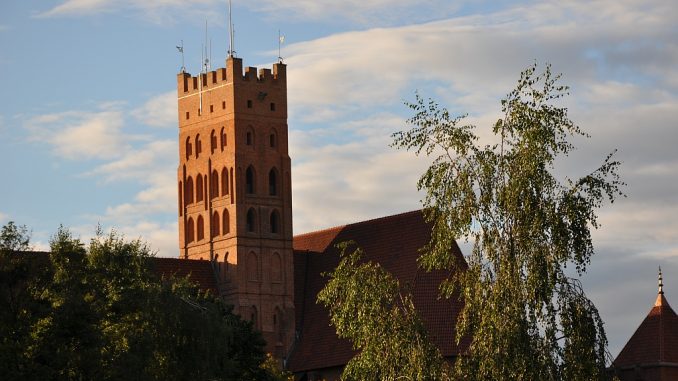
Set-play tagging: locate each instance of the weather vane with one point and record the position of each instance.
(281, 40)
(181, 50)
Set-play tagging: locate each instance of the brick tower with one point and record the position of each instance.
(235, 199)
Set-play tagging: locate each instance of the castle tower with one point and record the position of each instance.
(235, 199)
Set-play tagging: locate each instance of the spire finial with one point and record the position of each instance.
(661, 283)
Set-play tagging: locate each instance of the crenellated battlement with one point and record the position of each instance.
(232, 73)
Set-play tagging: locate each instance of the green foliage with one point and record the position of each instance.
(274, 369)
(100, 312)
(528, 319)
(367, 307)
(13, 237)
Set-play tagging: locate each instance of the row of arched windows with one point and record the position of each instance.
(216, 188)
(220, 142)
(220, 225)
(251, 141)
(252, 313)
(219, 184)
(274, 221)
(251, 183)
(253, 267)
(196, 142)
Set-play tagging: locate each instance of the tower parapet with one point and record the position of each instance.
(188, 84)
(211, 95)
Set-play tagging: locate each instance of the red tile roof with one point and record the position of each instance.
(198, 271)
(656, 339)
(392, 241)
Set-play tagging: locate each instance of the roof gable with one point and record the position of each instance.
(394, 243)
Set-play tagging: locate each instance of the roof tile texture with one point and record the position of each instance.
(198, 271)
(656, 339)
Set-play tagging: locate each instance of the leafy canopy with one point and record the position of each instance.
(528, 319)
(367, 306)
(99, 311)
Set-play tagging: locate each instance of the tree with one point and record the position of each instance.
(98, 311)
(23, 275)
(381, 321)
(527, 317)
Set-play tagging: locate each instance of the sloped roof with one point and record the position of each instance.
(656, 339)
(392, 241)
(199, 271)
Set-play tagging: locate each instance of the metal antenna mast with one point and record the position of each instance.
(207, 57)
(231, 46)
(203, 70)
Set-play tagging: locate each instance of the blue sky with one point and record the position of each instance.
(88, 113)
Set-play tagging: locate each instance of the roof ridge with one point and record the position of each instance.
(371, 220)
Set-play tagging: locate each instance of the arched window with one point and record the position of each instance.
(252, 266)
(189, 148)
(273, 139)
(201, 228)
(213, 142)
(278, 324)
(215, 224)
(188, 193)
(214, 185)
(223, 138)
(249, 180)
(226, 223)
(276, 268)
(273, 182)
(181, 200)
(275, 222)
(251, 220)
(249, 137)
(253, 316)
(198, 188)
(224, 181)
(189, 231)
(198, 146)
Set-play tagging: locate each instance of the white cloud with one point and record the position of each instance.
(157, 11)
(362, 176)
(81, 135)
(159, 111)
(358, 11)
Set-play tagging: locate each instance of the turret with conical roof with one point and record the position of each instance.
(651, 354)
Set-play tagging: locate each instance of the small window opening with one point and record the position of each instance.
(249, 103)
(251, 220)
(188, 115)
(272, 106)
(249, 139)
(272, 183)
(211, 108)
(249, 181)
(223, 105)
(275, 222)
